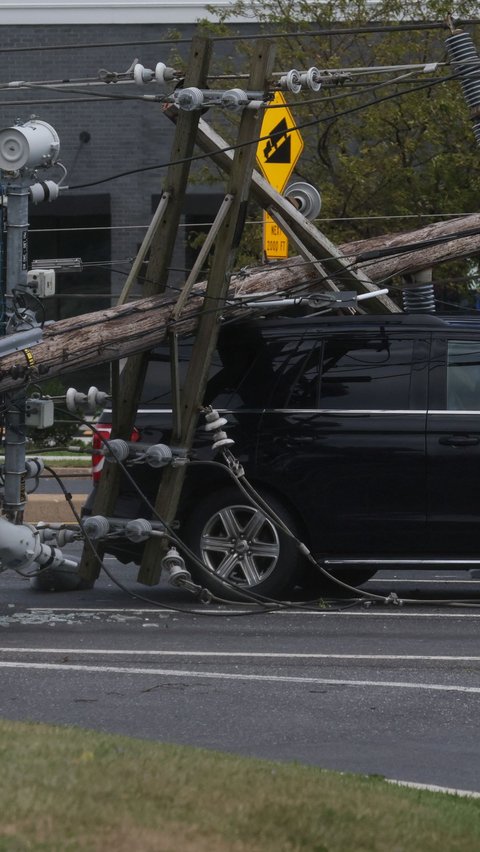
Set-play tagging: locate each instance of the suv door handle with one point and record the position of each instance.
(460, 441)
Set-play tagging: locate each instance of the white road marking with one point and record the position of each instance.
(438, 581)
(128, 652)
(390, 611)
(433, 788)
(185, 673)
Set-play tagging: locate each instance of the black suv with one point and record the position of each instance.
(361, 432)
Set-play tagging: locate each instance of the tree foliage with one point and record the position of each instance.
(376, 147)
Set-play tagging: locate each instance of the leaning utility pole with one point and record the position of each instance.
(227, 239)
(126, 394)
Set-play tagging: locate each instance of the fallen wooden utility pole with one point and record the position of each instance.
(117, 332)
(404, 254)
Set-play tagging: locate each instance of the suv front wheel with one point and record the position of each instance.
(240, 545)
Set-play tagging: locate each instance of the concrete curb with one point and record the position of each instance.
(52, 508)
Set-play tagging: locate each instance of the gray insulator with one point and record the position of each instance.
(138, 530)
(234, 99)
(466, 64)
(189, 99)
(175, 565)
(158, 455)
(34, 467)
(419, 300)
(305, 197)
(117, 450)
(66, 537)
(96, 527)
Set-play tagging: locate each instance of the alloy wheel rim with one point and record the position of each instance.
(240, 545)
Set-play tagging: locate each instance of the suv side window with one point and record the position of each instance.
(366, 374)
(295, 366)
(157, 390)
(463, 375)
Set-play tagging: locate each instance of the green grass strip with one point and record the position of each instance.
(64, 788)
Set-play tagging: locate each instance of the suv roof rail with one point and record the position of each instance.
(400, 319)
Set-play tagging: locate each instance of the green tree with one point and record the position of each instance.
(380, 145)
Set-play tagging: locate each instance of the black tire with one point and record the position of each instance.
(239, 542)
(315, 584)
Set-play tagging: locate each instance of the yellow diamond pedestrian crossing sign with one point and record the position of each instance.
(281, 143)
(277, 153)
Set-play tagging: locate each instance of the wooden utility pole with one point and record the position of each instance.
(226, 244)
(161, 243)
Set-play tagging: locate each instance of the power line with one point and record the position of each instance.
(325, 74)
(292, 129)
(72, 86)
(50, 102)
(359, 30)
(98, 97)
(256, 222)
(93, 45)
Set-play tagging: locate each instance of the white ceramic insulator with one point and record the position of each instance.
(95, 399)
(142, 75)
(74, 399)
(163, 74)
(292, 81)
(160, 69)
(216, 424)
(221, 440)
(311, 79)
(46, 190)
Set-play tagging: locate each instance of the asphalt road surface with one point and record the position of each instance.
(390, 690)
